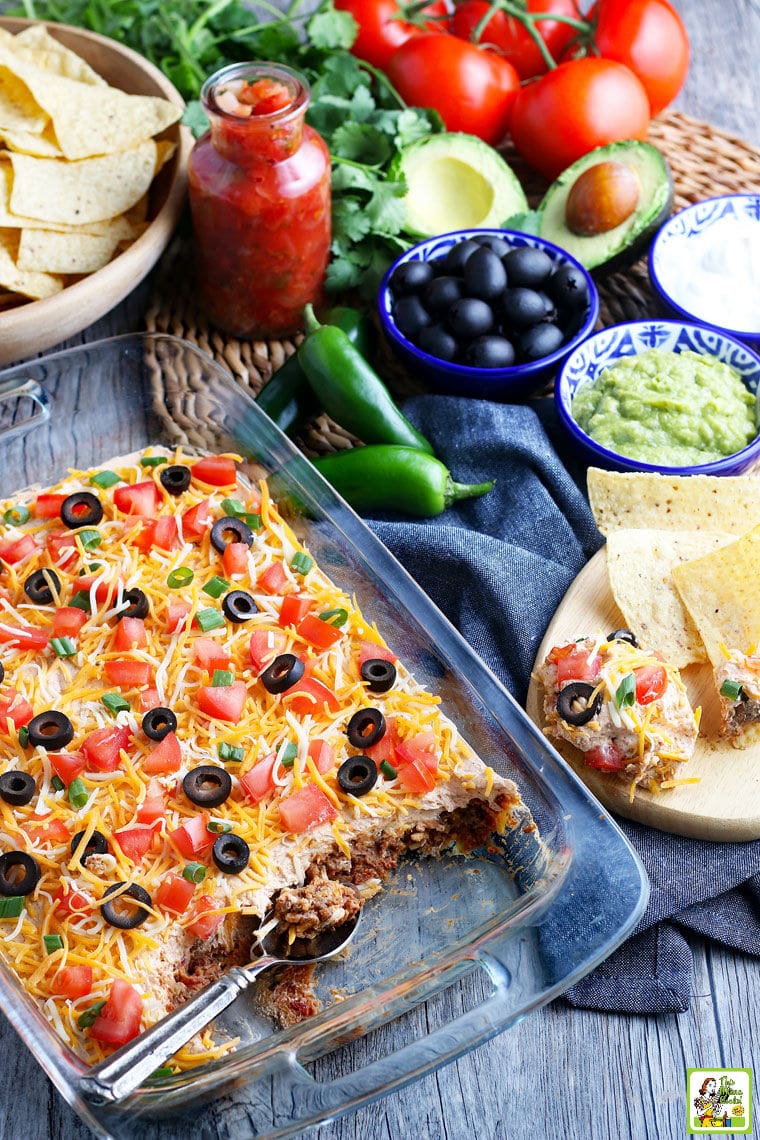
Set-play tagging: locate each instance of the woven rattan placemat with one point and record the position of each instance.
(704, 161)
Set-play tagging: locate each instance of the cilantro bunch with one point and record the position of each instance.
(364, 122)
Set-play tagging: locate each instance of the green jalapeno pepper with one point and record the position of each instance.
(350, 390)
(389, 477)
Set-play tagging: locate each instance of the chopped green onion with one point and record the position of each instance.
(336, 617)
(57, 784)
(63, 646)
(301, 563)
(731, 689)
(161, 1074)
(194, 873)
(11, 906)
(23, 735)
(288, 754)
(153, 460)
(388, 770)
(78, 794)
(52, 942)
(209, 619)
(625, 694)
(182, 576)
(105, 479)
(16, 516)
(90, 538)
(93, 566)
(81, 601)
(253, 521)
(233, 507)
(115, 702)
(222, 679)
(216, 586)
(230, 752)
(219, 826)
(89, 1016)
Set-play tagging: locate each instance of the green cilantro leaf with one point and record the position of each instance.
(328, 29)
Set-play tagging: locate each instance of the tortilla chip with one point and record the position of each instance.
(728, 503)
(720, 592)
(33, 285)
(36, 45)
(19, 110)
(124, 227)
(48, 251)
(43, 145)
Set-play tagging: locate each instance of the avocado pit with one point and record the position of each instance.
(601, 198)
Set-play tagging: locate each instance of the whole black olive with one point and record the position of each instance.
(550, 309)
(568, 289)
(17, 788)
(527, 266)
(541, 340)
(119, 913)
(284, 672)
(495, 243)
(484, 275)
(238, 606)
(623, 635)
(469, 317)
(365, 728)
(137, 604)
(41, 586)
(51, 730)
(578, 703)
(81, 509)
(207, 785)
(411, 316)
(231, 853)
(230, 529)
(97, 844)
(442, 292)
(378, 674)
(19, 873)
(438, 342)
(490, 352)
(520, 308)
(410, 277)
(357, 775)
(175, 479)
(158, 722)
(458, 256)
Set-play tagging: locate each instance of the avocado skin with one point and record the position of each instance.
(627, 242)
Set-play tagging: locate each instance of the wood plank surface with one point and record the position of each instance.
(560, 1072)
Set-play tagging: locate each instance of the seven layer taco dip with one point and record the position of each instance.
(198, 731)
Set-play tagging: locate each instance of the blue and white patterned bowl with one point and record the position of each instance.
(461, 379)
(604, 348)
(670, 251)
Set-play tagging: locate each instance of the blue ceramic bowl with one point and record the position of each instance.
(675, 262)
(486, 383)
(604, 348)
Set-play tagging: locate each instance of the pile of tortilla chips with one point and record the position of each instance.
(77, 158)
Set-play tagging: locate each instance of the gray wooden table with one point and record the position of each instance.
(560, 1072)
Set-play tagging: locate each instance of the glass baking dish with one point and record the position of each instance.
(531, 915)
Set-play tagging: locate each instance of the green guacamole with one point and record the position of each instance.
(671, 408)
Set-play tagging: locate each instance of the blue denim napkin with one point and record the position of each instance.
(498, 567)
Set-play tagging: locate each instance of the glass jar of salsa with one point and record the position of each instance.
(260, 201)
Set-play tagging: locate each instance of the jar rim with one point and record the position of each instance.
(296, 83)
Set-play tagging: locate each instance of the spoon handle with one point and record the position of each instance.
(126, 1069)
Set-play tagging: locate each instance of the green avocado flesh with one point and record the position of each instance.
(620, 246)
(457, 182)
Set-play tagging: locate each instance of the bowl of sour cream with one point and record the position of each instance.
(704, 264)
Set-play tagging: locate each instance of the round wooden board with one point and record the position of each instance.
(725, 804)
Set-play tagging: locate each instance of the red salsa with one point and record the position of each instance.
(260, 199)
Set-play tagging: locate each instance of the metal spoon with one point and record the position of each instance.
(127, 1068)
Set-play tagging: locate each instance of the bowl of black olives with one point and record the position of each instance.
(486, 313)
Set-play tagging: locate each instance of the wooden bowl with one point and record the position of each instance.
(37, 325)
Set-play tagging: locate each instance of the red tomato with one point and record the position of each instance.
(265, 645)
(161, 532)
(14, 707)
(472, 89)
(215, 470)
(54, 832)
(368, 651)
(293, 608)
(105, 592)
(193, 838)
(68, 621)
(649, 37)
(605, 757)
(67, 902)
(577, 666)
(385, 749)
(175, 893)
(258, 782)
(273, 580)
(119, 1019)
(417, 762)
(153, 806)
(205, 924)
(24, 636)
(48, 505)
(223, 702)
(308, 695)
(195, 521)
(320, 634)
(651, 683)
(512, 40)
(130, 633)
(381, 30)
(102, 749)
(13, 550)
(306, 808)
(148, 699)
(580, 105)
(124, 671)
(209, 655)
(134, 841)
(141, 499)
(67, 765)
(61, 547)
(165, 757)
(264, 96)
(73, 982)
(175, 615)
(235, 558)
(323, 755)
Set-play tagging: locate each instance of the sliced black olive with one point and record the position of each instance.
(138, 604)
(97, 844)
(2, 672)
(19, 873)
(207, 785)
(284, 672)
(120, 913)
(379, 674)
(365, 728)
(175, 479)
(41, 586)
(81, 509)
(357, 775)
(231, 853)
(158, 723)
(574, 703)
(238, 606)
(227, 530)
(52, 730)
(623, 635)
(17, 788)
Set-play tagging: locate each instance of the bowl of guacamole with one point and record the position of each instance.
(662, 396)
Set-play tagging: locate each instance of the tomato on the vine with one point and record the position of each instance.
(472, 89)
(382, 28)
(580, 105)
(511, 38)
(649, 37)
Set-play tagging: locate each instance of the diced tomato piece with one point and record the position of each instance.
(119, 1019)
(176, 614)
(306, 808)
(124, 671)
(321, 634)
(258, 782)
(195, 521)
(48, 505)
(13, 550)
(141, 499)
(223, 702)
(14, 707)
(105, 592)
(102, 749)
(68, 621)
(273, 580)
(651, 683)
(175, 893)
(193, 837)
(323, 755)
(161, 532)
(210, 655)
(293, 609)
(165, 757)
(67, 765)
(216, 470)
(309, 695)
(205, 924)
(130, 634)
(148, 699)
(144, 537)
(62, 548)
(417, 762)
(385, 749)
(153, 806)
(605, 757)
(53, 832)
(135, 842)
(265, 96)
(67, 902)
(368, 651)
(264, 646)
(73, 982)
(577, 666)
(235, 558)
(24, 636)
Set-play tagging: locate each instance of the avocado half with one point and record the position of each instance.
(456, 181)
(621, 246)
